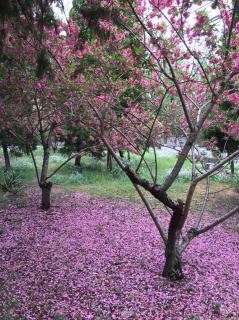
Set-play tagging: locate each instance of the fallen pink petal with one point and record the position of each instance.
(98, 259)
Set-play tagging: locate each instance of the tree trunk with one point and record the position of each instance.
(232, 167)
(172, 268)
(6, 156)
(128, 155)
(46, 195)
(109, 161)
(121, 153)
(78, 161)
(44, 184)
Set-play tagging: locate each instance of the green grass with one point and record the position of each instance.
(94, 178)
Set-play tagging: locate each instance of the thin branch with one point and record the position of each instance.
(217, 222)
(218, 166)
(180, 161)
(154, 218)
(190, 51)
(175, 81)
(82, 153)
(204, 202)
(51, 129)
(232, 25)
(35, 165)
(151, 129)
(193, 232)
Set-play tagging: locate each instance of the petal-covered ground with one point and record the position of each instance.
(99, 259)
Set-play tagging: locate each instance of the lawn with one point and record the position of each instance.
(93, 178)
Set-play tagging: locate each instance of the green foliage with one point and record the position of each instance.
(43, 64)
(223, 141)
(32, 9)
(18, 143)
(235, 181)
(11, 181)
(118, 173)
(92, 14)
(77, 138)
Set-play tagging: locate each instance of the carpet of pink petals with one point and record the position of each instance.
(98, 259)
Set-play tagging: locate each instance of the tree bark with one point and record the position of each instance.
(6, 156)
(121, 153)
(232, 166)
(128, 155)
(78, 161)
(109, 161)
(173, 267)
(46, 195)
(44, 184)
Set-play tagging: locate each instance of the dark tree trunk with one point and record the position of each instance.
(232, 167)
(109, 161)
(44, 184)
(78, 161)
(46, 195)
(6, 156)
(121, 153)
(128, 155)
(172, 268)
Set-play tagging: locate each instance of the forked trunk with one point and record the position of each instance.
(173, 267)
(46, 195)
(6, 156)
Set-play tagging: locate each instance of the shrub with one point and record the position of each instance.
(118, 173)
(11, 181)
(22, 163)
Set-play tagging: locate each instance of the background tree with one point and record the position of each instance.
(17, 144)
(77, 138)
(224, 141)
(35, 93)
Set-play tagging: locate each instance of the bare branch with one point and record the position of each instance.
(232, 25)
(204, 202)
(155, 219)
(151, 129)
(218, 166)
(217, 222)
(82, 153)
(35, 165)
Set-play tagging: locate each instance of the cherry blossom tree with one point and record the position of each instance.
(162, 69)
(37, 92)
(190, 59)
